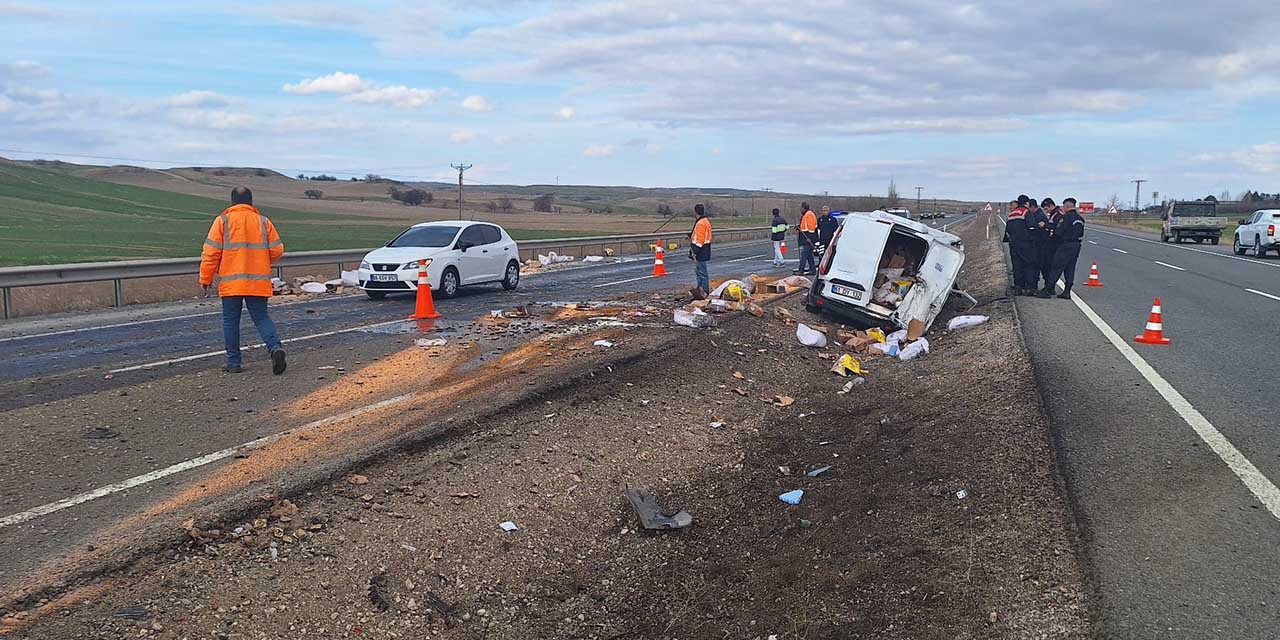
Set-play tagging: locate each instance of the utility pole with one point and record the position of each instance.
(460, 168)
(918, 189)
(1137, 194)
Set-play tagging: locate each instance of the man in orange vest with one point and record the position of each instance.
(700, 247)
(808, 238)
(238, 253)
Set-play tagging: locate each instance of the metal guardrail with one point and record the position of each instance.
(119, 271)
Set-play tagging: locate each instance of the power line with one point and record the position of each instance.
(461, 168)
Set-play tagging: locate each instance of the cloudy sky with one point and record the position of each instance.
(976, 100)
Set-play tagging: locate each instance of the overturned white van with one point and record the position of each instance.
(882, 268)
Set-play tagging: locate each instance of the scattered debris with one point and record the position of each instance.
(593, 259)
(792, 497)
(917, 348)
(314, 287)
(132, 613)
(602, 343)
(651, 514)
(809, 337)
(819, 471)
(739, 375)
(508, 526)
(427, 343)
(716, 425)
(848, 386)
(786, 471)
(962, 494)
(915, 329)
(376, 584)
(847, 365)
(755, 309)
(964, 322)
(358, 479)
(696, 319)
(783, 314)
(100, 433)
(783, 401)
(553, 258)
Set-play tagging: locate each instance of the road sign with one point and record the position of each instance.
(1086, 207)
(987, 208)
(1113, 209)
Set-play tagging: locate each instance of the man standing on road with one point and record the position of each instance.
(1019, 239)
(1069, 232)
(827, 225)
(808, 238)
(1049, 243)
(1036, 223)
(239, 250)
(700, 248)
(778, 233)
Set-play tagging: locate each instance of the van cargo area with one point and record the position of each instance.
(898, 272)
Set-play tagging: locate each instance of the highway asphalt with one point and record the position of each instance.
(67, 376)
(1170, 465)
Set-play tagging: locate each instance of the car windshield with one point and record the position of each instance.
(425, 237)
(1194, 209)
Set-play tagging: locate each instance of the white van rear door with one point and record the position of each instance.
(937, 277)
(857, 254)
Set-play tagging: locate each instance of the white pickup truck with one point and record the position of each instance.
(1258, 232)
(1192, 221)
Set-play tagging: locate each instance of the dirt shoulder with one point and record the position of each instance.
(880, 546)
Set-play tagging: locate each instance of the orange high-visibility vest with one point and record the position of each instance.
(238, 252)
(702, 232)
(809, 222)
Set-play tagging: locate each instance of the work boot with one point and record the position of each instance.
(232, 368)
(278, 364)
(1044, 293)
(1065, 295)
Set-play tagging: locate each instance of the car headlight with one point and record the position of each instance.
(364, 264)
(414, 265)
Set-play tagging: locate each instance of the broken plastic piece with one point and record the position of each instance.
(427, 343)
(819, 471)
(962, 494)
(602, 343)
(651, 514)
(508, 526)
(792, 497)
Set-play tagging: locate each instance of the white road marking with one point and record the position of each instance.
(124, 485)
(1092, 242)
(210, 354)
(1275, 265)
(1120, 250)
(1166, 264)
(1263, 294)
(748, 258)
(109, 326)
(610, 284)
(1262, 488)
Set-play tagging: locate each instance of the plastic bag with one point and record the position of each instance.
(848, 364)
(796, 281)
(875, 333)
(696, 319)
(963, 322)
(314, 287)
(810, 338)
(917, 348)
(890, 349)
(897, 336)
(732, 290)
(350, 278)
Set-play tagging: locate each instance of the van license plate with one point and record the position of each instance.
(384, 277)
(846, 292)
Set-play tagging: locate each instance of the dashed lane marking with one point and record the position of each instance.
(1263, 294)
(1166, 264)
(1120, 251)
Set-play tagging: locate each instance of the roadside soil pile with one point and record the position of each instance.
(939, 516)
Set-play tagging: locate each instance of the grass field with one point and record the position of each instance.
(53, 217)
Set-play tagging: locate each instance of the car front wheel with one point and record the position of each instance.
(512, 277)
(449, 282)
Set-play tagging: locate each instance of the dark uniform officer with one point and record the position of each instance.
(1017, 234)
(1036, 223)
(1069, 232)
(1049, 245)
(827, 225)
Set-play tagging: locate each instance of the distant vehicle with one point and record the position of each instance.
(1191, 220)
(882, 268)
(457, 254)
(899, 211)
(1258, 232)
(927, 215)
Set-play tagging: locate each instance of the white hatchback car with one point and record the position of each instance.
(457, 254)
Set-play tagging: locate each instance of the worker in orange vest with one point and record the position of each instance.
(808, 239)
(700, 247)
(238, 252)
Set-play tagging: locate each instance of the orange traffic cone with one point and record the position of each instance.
(783, 248)
(1155, 328)
(426, 308)
(658, 268)
(1093, 277)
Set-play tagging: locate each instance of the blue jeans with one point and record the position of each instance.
(704, 278)
(257, 306)
(807, 263)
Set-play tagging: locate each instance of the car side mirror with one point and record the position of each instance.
(463, 246)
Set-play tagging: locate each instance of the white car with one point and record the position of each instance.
(457, 254)
(883, 268)
(1258, 232)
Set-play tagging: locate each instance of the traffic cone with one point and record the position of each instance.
(783, 248)
(1093, 277)
(1155, 328)
(426, 307)
(658, 268)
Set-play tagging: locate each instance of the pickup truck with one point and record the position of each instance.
(1258, 232)
(1192, 220)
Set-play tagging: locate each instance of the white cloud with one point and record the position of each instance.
(19, 10)
(461, 137)
(502, 141)
(336, 82)
(198, 98)
(23, 69)
(213, 119)
(566, 113)
(600, 151)
(398, 96)
(715, 151)
(477, 103)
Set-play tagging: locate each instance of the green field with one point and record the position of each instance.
(52, 217)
